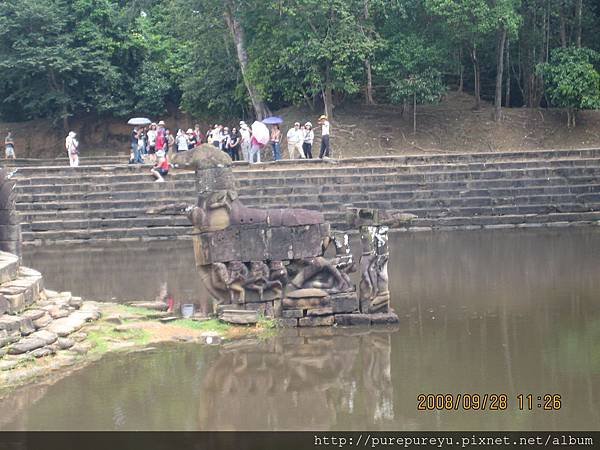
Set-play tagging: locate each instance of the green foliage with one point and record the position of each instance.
(207, 325)
(59, 58)
(572, 80)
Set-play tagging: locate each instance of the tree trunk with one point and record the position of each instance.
(563, 29)
(476, 70)
(415, 113)
(507, 98)
(461, 70)
(237, 32)
(328, 93)
(578, 8)
(369, 91)
(499, 74)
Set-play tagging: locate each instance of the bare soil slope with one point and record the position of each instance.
(359, 130)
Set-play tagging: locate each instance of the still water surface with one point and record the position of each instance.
(481, 312)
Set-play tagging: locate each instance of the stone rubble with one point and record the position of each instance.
(46, 323)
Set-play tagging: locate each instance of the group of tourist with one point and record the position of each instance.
(240, 144)
(300, 139)
(156, 141)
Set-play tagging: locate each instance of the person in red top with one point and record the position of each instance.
(161, 168)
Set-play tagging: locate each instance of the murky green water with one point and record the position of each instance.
(496, 312)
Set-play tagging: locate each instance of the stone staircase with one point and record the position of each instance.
(446, 191)
(35, 322)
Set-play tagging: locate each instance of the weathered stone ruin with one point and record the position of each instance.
(277, 262)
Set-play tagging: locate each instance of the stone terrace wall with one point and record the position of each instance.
(449, 191)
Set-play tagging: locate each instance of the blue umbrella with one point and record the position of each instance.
(273, 120)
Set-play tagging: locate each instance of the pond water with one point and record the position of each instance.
(481, 312)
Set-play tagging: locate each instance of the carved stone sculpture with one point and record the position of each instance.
(276, 261)
(373, 288)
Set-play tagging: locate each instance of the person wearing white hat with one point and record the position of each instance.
(325, 149)
(295, 137)
(309, 137)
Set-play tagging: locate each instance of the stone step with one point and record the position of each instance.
(440, 158)
(403, 168)
(22, 291)
(383, 160)
(54, 175)
(523, 220)
(64, 161)
(9, 267)
(98, 224)
(589, 172)
(137, 233)
(332, 215)
(140, 185)
(187, 187)
(365, 193)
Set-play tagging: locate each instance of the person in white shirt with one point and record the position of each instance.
(309, 137)
(295, 138)
(325, 149)
(181, 141)
(72, 146)
(246, 140)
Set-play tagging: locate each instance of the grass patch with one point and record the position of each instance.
(207, 325)
(103, 336)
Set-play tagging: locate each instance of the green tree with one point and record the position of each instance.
(572, 80)
(412, 69)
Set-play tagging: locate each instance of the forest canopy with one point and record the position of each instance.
(60, 58)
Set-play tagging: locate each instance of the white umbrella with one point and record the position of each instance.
(260, 132)
(139, 121)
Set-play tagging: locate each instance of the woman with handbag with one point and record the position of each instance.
(72, 146)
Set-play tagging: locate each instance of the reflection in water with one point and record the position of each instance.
(290, 382)
(297, 382)
(498, 312)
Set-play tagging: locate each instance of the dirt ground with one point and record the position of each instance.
(358, 130)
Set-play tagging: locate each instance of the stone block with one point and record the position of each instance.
(344, 303)
(25, 345)
(316, 321)
(9, 337)
(26, 327)
(253, 244)
(43, 321)
(352, 319)
(287, 322)
(10, 323)
(4, 305)
(33, 314)
(239, 317)
(306, 303)
(306, 241)
(218, 246)
(320, 312)
(221, 308)
(16, 302)
(280, 244)
(389, 318)
(41, 352)
(292, 313)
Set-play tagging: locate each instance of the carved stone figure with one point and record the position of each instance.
(373, 287)
(238, 276)
(259, 279)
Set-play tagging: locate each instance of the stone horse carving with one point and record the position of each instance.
(273, 260)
